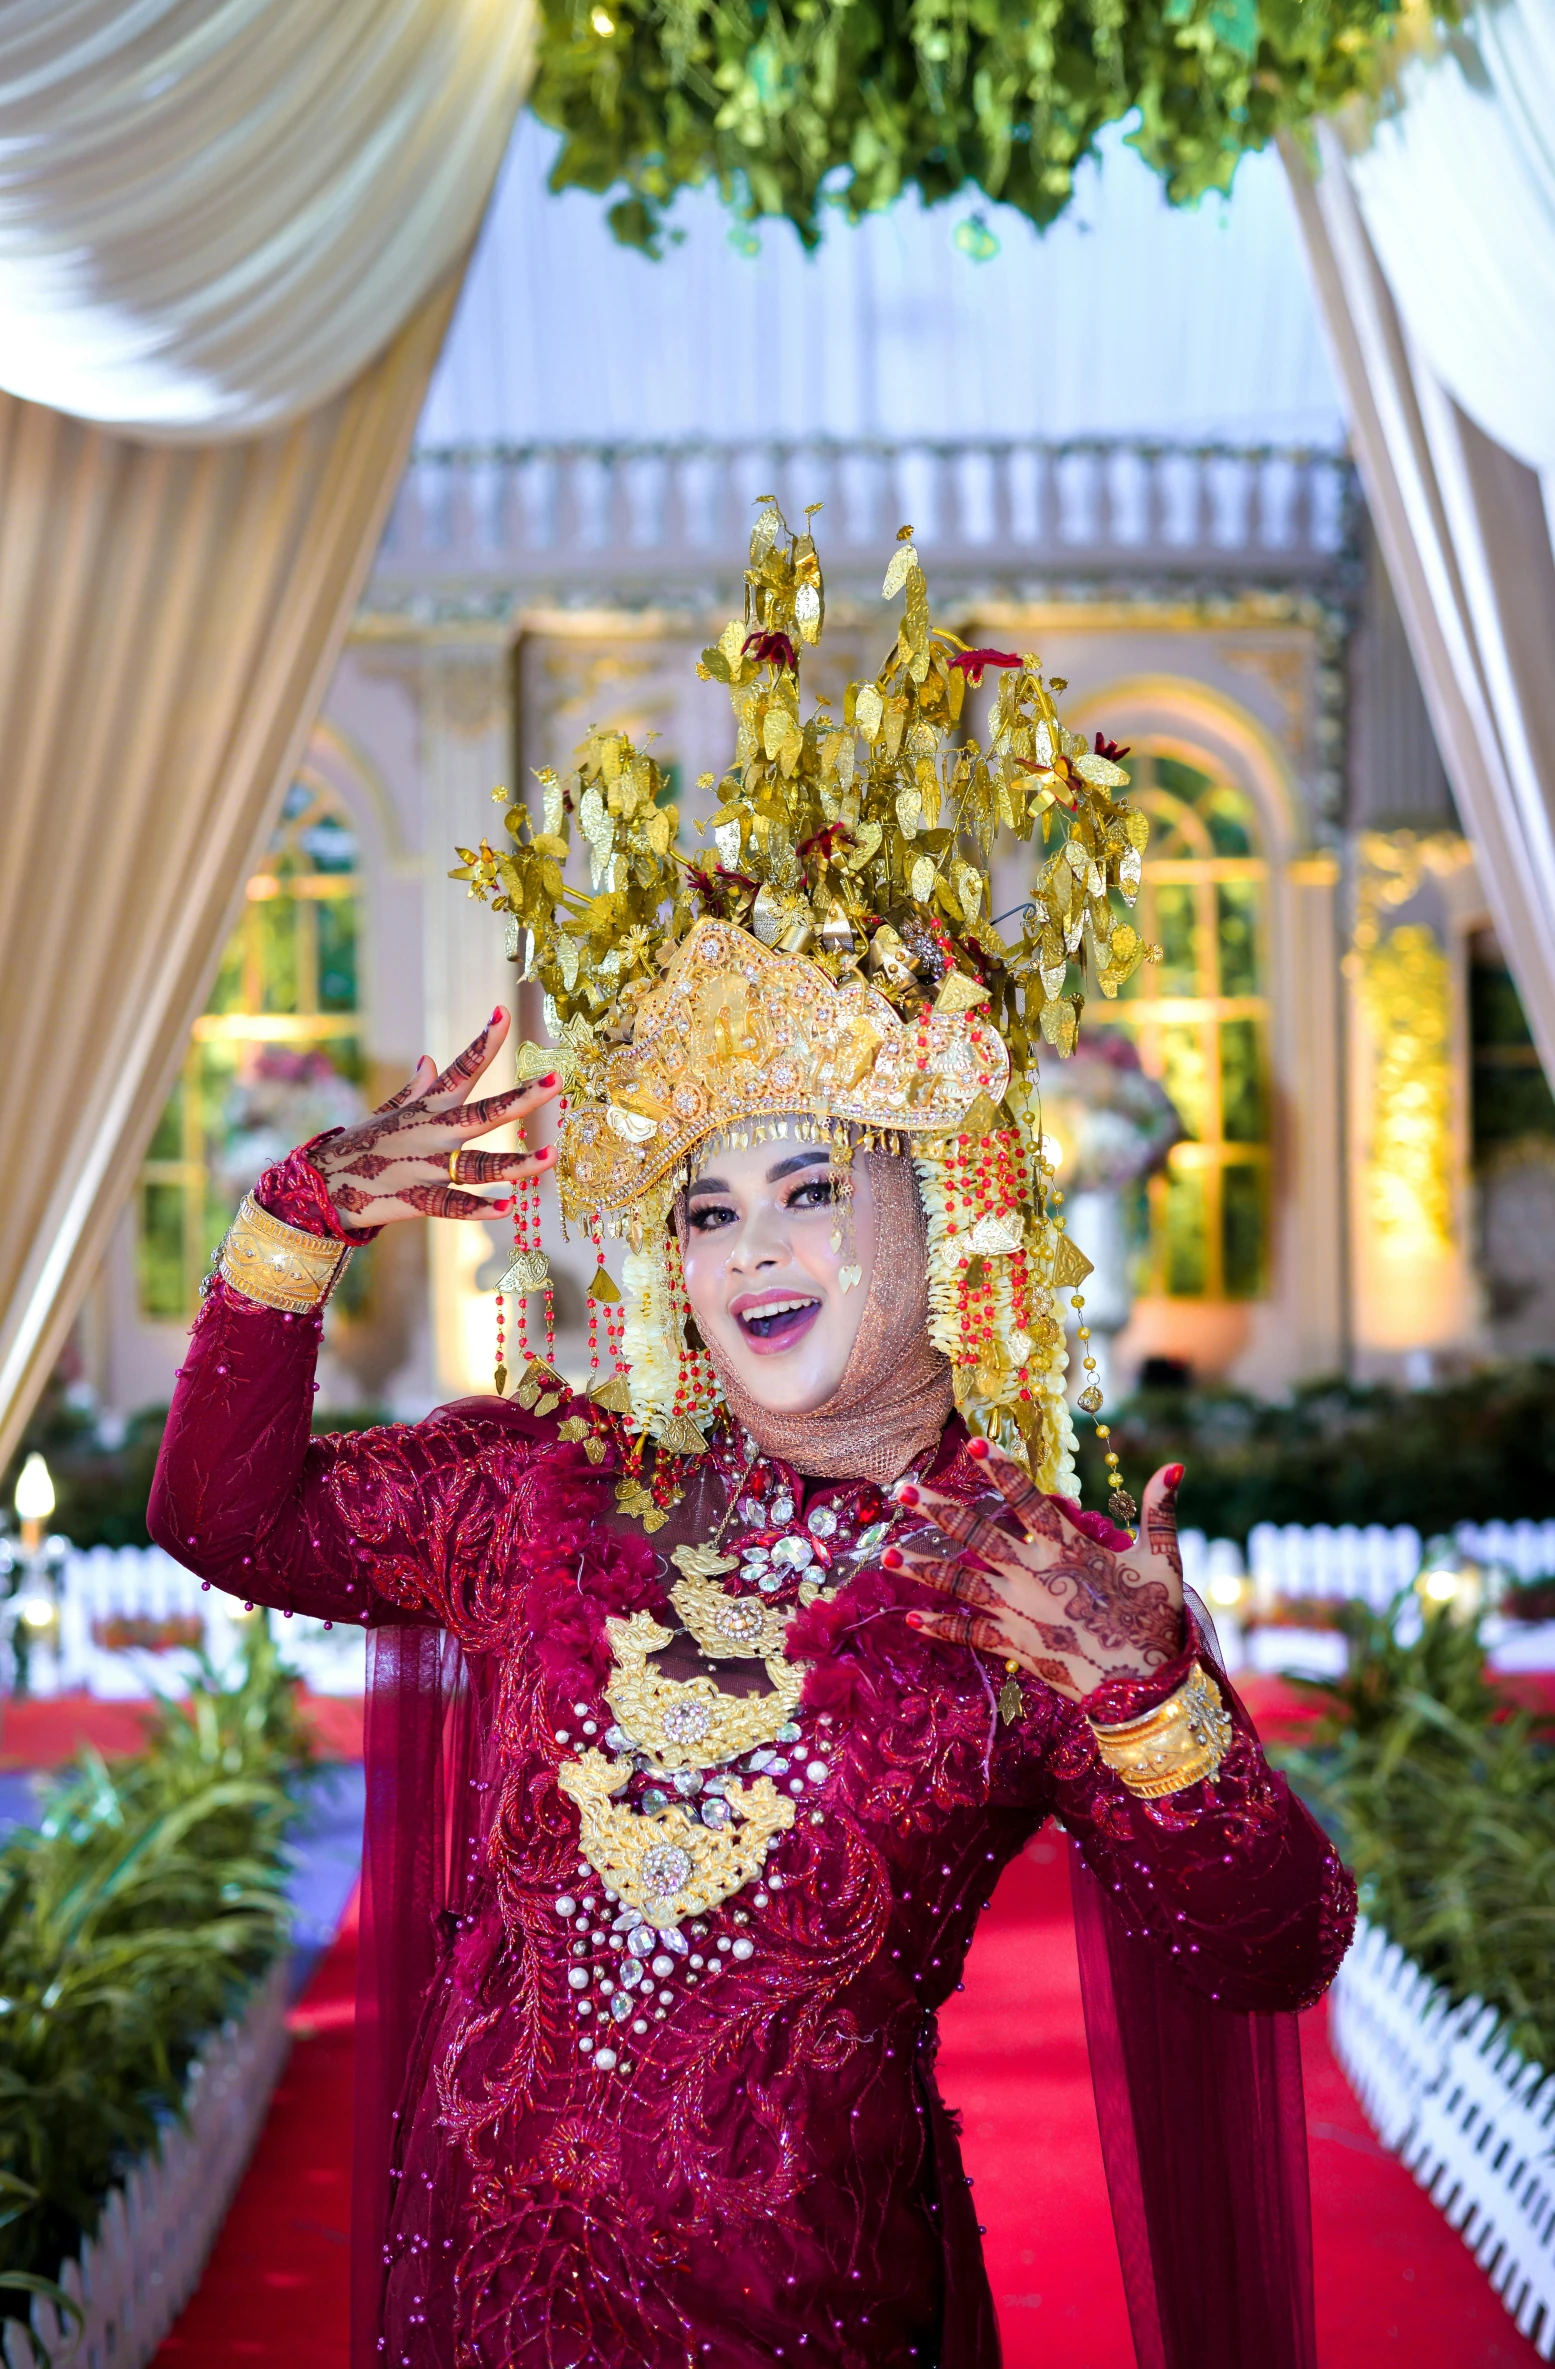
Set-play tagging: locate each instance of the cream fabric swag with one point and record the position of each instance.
(168, 623)
(1433, 252)
(214, 213)
(1457, 190)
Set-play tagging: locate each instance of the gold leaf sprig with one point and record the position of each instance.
(865, 841)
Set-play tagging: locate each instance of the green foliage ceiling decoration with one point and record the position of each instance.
(793, 105)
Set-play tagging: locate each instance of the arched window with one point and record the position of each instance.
(274, 1058)
(1200, 1019)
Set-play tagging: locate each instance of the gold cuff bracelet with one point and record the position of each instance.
(279, 1265)
(1181, 1742)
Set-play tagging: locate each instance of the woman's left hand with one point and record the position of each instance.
(1065, 1608)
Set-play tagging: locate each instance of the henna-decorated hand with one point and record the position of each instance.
(1062, 1606)
(395, 1164)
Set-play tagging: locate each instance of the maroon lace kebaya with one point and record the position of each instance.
(594, 2141)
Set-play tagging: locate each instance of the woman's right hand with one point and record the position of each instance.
(396, 1163)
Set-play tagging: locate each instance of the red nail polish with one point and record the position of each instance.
(549, 1081)
(1174, 1473)
(914, 1620)
(502, 1207)
(891, 1559)
(977, 1448)
(546, 1155)
(495, 1016)
(905, 1493)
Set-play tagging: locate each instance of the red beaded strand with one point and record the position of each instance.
(521, 1244)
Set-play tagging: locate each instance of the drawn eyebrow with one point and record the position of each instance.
(816, 1157)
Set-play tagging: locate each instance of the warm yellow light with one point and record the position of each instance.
(603, 24)
(1225, 1588)
(1441, 1586)
(34, 1490)
(1051, 1152)
(36, 1611)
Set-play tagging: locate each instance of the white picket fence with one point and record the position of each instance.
(1289, 1564)
(122, 1610)
(124, 1613)
(131, 2280)
(1471, 2118)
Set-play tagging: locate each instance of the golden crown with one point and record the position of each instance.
(741, 1032)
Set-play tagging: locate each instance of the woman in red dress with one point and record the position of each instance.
(709, 1702)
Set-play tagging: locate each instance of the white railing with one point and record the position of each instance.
(129, 1616)
(1343, 1562)
(1524, 1549)
(551, 519)
(1291, 1564)
(130, 1621)
(1474, 2122)
(131, 2281)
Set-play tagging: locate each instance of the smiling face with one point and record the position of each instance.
(763, 1278)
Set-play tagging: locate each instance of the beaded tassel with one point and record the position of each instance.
(1120, 1505)
(520, 1245)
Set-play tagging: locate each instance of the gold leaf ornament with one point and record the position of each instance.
(530, 1271)
(915, 625)
(732, 1628)
(690, 1723)
(958, 993)
(1070, 1264)
(671, 1866)
(702, 1562)
(779, 727)
(632, 1126)
(904, 559)
(869, 711)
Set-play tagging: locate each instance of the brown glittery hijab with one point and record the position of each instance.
(895, 1397)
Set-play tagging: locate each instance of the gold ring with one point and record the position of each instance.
(453, 1164)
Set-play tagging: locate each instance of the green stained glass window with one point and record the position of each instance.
(1200, 1019)
(273, 1059)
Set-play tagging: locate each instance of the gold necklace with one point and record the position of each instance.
(671, 1866)
(690, 1723)
(736, 1628)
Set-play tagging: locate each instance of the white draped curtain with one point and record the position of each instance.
(231, 234)
(1433, 252)
(213, 213)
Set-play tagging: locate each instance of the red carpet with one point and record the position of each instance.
(46, 1731)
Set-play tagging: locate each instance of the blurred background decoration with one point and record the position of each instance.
(1106, 1126)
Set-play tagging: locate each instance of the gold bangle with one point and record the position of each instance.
(279, 1265)
(1181, 1742)
(453, 1164)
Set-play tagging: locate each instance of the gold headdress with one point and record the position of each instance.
(831, 964)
